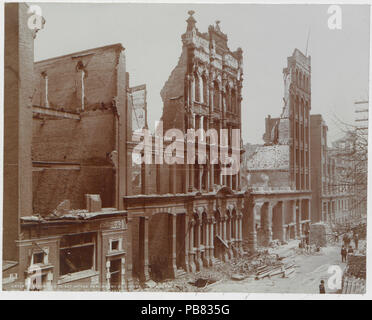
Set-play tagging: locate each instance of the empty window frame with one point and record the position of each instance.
(77, 253)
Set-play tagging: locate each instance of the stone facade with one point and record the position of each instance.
(278, 172)
(190, 215)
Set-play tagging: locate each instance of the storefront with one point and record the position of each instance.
(78, 252)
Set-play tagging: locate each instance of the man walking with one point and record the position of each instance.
(346, 240)
(343, 254)
(321, 287)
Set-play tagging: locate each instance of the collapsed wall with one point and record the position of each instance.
(71, 158)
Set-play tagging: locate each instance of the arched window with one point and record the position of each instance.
(216, 96)
(197, 87)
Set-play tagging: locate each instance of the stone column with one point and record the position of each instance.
(293, 220)
(237, 233)
(199, 262)
(122, 271)
(224, 237)
(173, 173)
(237, 178)
(211, 184)
(129, 265)
(267, 227)
(241, 233)
(108, 275)
(249, 228)
(44, 90)
(201, 90)
(201, 169)
(281, 228)
(192, 266)
(211, 240)
(18, 90)
(207, 258)
(187, 243)
(191, 176)
(144, 248)
(299, 218)
(172, 255)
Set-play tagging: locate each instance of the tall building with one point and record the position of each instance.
(332, 191)
(204, 92)
(320, 169)
(279, 171)
(64, 223)
(190, 214)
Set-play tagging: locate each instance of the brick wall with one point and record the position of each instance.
(64, 79)
(86, 142)
(18, 72)
(174, 86)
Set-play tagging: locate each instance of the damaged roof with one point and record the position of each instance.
(269, 158)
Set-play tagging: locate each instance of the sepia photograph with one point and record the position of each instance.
(187, 147)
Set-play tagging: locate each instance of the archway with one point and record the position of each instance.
(162, 245)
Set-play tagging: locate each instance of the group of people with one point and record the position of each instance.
(346, 250)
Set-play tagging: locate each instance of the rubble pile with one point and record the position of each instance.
(275, 156)
(356, 266)
(263, 263)
(354, 280)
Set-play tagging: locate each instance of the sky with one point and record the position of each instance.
(268, 34)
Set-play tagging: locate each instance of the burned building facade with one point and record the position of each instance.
(279, 171)
(64, 223)
(78, 213)
(190, 215)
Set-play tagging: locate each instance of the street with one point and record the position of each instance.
(311, 269)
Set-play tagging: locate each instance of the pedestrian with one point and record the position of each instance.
(343, 254)
(321, 287)
(336, 236)
(350, 251)
(356, 240)
(346, 240)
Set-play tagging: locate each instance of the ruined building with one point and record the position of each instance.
(190, 215)
(79, 214)
(64, 223)
(279, 171)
